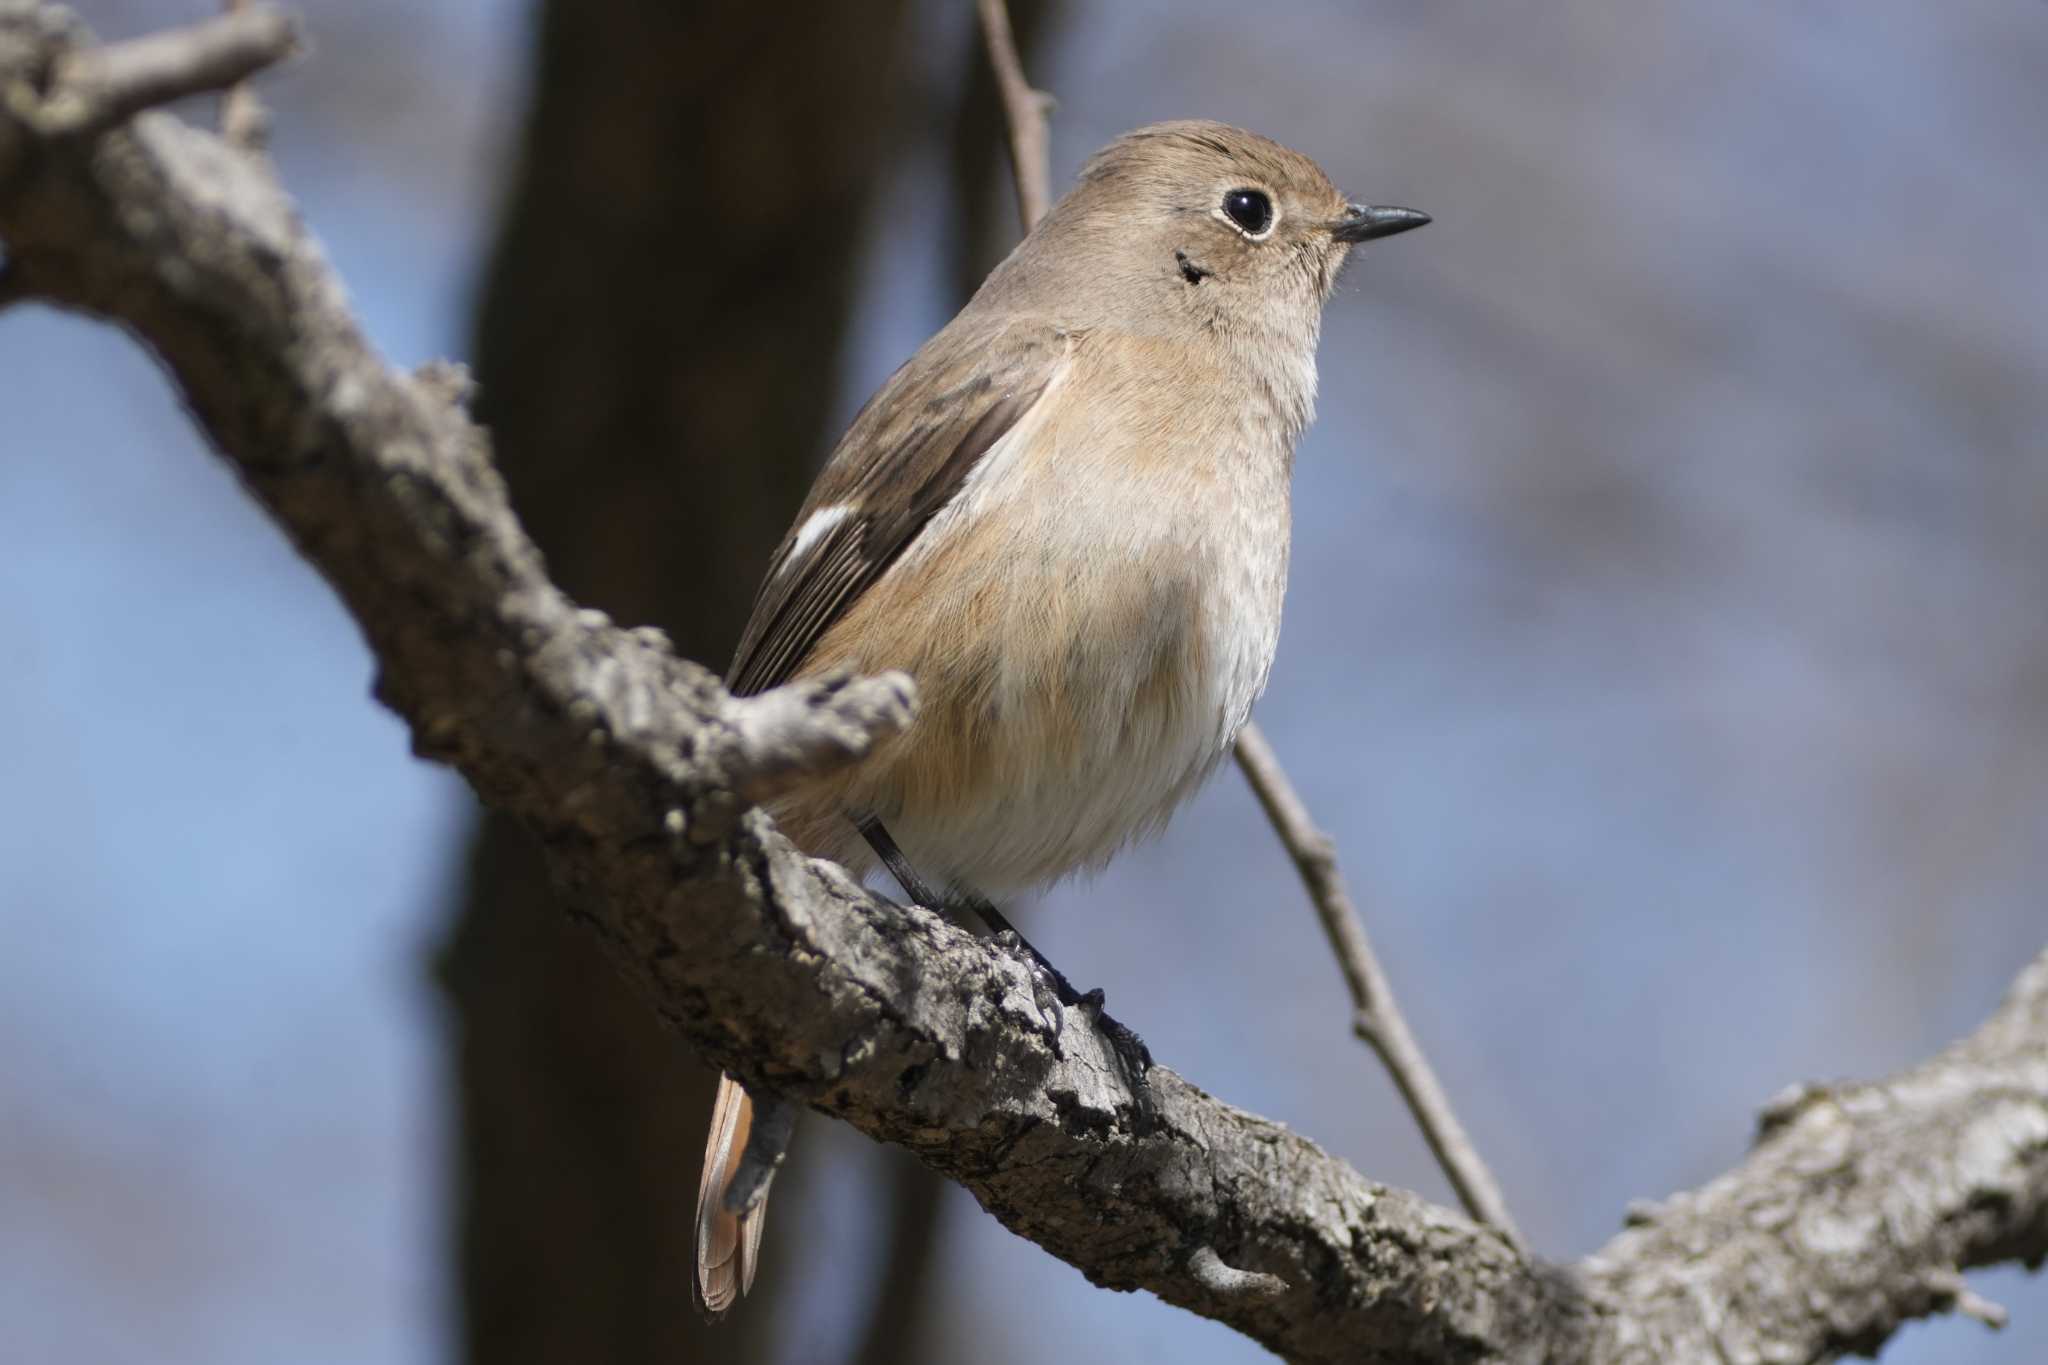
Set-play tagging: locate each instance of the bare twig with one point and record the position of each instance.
(242, 118)
(1025, 109)
(1376, 1018)
(1968, 1301)
(100, 86)
(814, 726)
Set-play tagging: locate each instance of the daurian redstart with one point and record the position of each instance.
(1066, 517)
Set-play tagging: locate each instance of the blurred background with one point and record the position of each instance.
(1666, 650)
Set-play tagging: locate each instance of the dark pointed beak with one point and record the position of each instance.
(1363, 222)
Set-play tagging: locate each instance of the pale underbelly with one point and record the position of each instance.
(1020, 773)
(1075, 688)
(1027, 819)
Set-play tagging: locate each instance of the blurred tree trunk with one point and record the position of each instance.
(662, 312)
(655, 348)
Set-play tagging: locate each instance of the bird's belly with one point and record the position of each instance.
(1097, 692)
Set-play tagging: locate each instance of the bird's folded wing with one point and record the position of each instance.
(907, 454)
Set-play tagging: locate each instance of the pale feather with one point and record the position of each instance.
(728, 1246)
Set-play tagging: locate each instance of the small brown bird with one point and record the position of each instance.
(1066, 517)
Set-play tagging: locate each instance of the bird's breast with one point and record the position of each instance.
(1089, 624)
(1100, 662)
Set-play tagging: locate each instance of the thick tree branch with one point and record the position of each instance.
(1855, 1211)
(630, 767)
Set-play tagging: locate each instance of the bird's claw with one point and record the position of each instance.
(1051, 991)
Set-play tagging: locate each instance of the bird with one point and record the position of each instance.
(1066, 518)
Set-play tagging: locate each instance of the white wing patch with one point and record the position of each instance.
(815, 525)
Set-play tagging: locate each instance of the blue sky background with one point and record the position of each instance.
(1666, 650)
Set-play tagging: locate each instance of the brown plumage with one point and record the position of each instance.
(1066, 517)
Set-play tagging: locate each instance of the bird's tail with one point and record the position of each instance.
(728, 1243)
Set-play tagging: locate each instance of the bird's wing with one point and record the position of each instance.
(905, 457)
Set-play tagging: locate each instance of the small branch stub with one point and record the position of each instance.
(810, 728)
(97, 87)
(1968, 1301)
(242, 119)
(1228, 1281)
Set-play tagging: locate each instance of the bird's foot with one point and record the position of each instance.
(1052, 992)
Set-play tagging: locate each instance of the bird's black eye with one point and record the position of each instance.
(1249, 209)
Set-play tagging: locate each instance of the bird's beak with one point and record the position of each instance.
(1363, 222)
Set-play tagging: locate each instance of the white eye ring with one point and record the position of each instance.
(1249, 211)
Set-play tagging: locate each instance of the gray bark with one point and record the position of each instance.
(632, 769)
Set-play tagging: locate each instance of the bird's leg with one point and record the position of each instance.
(1051, 986)
(1133, 1058)
(1048, 987)
(885, 847)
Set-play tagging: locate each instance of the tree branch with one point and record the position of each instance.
(242, 120)
(1024, 110)
(1854, 1212)
(629, 766)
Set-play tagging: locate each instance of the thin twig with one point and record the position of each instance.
(1969, 1302)
(242, 117)
(1377, 1019)
(1024, 109)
